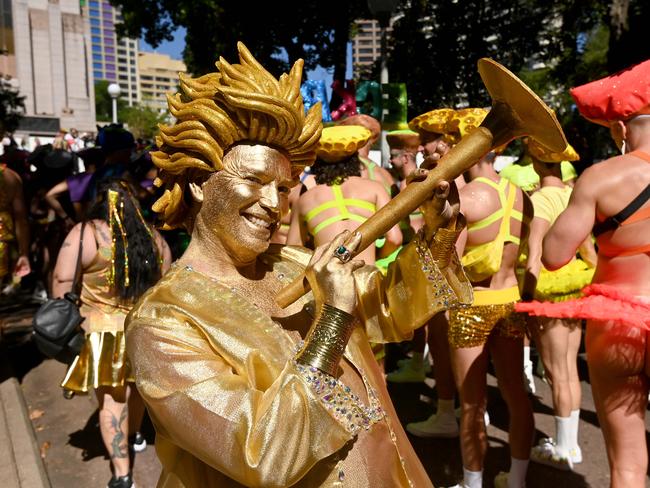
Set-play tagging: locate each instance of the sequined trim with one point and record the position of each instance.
(443, 296)
(472, 326)
(338, 398)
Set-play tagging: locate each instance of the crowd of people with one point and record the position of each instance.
(243, 392)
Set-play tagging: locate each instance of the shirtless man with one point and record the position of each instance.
(13, 224)
(370, 169)
(496, 212)
(342, 199)
(618, 301)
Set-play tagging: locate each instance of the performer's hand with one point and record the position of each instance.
(23, 267)
(330, 278)
(444, 205)
(441, 149)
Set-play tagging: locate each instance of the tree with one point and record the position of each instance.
(104, 102)
(142, 121)
(12, 107)
(276, 32)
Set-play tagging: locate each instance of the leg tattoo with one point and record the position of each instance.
(119, 447)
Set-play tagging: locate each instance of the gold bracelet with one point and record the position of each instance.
(442, 245)
(325, 343)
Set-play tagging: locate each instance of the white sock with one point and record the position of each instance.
(563, 434)
(575, 422)
(517, 474)
(472, 479)
(526, 355)
(446, 407)
(417, 361)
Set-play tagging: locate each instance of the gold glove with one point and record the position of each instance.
(326, 340)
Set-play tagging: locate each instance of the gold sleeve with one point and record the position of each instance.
(416, 287)
(267, 436)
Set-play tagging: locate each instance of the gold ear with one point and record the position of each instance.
(197, 192)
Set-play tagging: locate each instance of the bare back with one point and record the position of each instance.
(479, 202)
(324, 215)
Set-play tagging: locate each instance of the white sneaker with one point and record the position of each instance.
(501, 480)
(407, 374)
(435, 426)
(529, 380)
(486, 416)
(547, 452)
(576, 455)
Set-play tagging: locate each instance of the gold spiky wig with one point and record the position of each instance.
(241, 103)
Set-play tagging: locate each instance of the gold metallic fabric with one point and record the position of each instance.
(4, 259)
(6, 226)
(232, 408)
(472, 326)
(101, 362)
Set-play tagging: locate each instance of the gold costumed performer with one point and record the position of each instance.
(241, 391)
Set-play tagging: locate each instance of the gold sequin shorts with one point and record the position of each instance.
(472, 326)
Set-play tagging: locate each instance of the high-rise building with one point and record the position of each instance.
(114, 60)
(158, 76)
(366, 44)
(51, 65)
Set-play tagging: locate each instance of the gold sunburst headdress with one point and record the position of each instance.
(240, 103)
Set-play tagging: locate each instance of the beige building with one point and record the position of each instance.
(158, 76)
(366, 44)
(52, 65)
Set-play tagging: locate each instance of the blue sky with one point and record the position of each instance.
(175, 48)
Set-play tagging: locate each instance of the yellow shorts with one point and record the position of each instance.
(472, 326)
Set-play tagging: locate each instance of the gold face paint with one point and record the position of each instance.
(243, 202)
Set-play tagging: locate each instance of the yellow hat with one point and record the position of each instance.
(542, 153)
(434, 121)
(406, 140)
(464, 121)
(340, 142)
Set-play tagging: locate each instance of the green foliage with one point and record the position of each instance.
(552, 45)
(104, 103)
(142, 121)
(315, 31)
(12, 107)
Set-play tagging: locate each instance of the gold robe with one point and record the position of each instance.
(230, 406)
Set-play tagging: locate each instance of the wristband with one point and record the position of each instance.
(326, 340)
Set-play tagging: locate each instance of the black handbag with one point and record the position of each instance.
(57, 323)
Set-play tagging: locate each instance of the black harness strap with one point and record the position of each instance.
(611, 223)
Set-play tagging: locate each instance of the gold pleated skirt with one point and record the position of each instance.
(101, 362)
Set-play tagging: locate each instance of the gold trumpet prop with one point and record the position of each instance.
(516, 112)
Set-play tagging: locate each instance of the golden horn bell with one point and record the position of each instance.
(516, 112)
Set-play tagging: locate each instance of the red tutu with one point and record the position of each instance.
(599, 302)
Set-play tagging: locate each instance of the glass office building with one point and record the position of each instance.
(114, 60)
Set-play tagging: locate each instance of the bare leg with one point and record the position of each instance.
(470, 370)
(619, 380)
(507, 357)
(552, 338)
(575, 334)
(114, 424)
(439, 347)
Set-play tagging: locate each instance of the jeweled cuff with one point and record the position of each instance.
(325, 343)
(338, 399)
